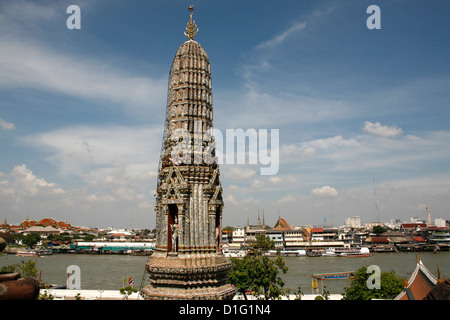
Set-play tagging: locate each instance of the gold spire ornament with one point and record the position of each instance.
(191, 29)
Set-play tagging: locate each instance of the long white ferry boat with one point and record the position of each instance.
(230, 253)
(287, 252)
(347, 252)
(28, 253)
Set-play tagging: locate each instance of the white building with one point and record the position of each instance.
(417, 220)
(353, 222)
(238, 235)
(440, 223)
(294, 238)
(42, 231)
(370, 225)
(277, 237)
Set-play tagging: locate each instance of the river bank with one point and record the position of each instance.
(107, 272)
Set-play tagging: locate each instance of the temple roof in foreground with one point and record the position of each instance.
(419, 285)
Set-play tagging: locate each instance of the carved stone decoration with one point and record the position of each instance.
(187, 262)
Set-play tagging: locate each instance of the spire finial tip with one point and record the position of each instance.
(191, 29)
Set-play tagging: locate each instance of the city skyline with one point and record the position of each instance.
(362, 114)
(256, 221)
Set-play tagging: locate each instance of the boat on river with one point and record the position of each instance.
(232, 253)
(28, 253)
(286, 253)
(314, 253)
(360, 252)
(347, 252)
(333, 275)
(44, 252)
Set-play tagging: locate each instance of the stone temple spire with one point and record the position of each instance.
(188, 262)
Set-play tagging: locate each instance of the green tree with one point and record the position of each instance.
(26, 269)
(59, 237)
(31, 239)
(89, 237)
(379, 230)
(257, 273)
(390, 286)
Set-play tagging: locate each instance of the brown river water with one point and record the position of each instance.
(108, 271)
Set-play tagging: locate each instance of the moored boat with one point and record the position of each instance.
(286, 252)
(44, 252)
(314, 253)
(290, 252)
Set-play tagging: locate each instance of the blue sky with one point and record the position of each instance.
(358, 110)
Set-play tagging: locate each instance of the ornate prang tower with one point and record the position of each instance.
(187, 262)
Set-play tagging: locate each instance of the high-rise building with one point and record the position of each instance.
(428, 216)
(187, 262)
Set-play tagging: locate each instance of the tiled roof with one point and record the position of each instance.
(413, 225)
(282, 225)
(377, 240)
(421, 282)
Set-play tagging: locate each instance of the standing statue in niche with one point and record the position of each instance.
(174, 228)
(218, 239)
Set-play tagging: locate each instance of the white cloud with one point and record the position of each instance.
(82, 149)
(336, 141)
(380, 130)
(103, 198)
(309, 152)
(288, 199)
(115, 167)
(281, 37)
(323, 148)
(273, 182)
(30, 65)
(16, 16)
(231, 199)
(22, 194)
(6, 125)
(22, 191)
(339, 155)
(260, 109)
(146, 205)
(28, 61)
(324, 191)
(237, 172)
(27, 184)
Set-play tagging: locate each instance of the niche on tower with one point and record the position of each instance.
(172, 228)
(218, 229)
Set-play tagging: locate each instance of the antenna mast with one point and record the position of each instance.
(375, 197)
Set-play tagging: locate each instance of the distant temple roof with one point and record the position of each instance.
(282, 224)
(413, 226)
(376, 239)
(40, 229)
